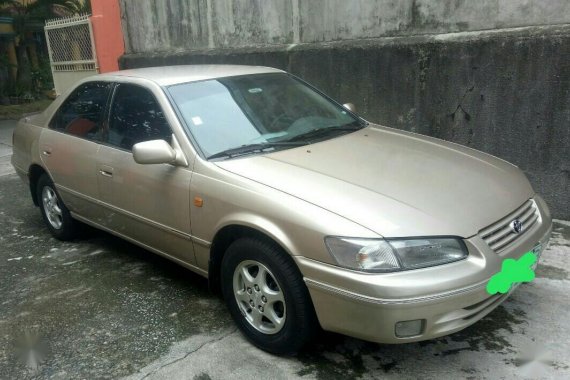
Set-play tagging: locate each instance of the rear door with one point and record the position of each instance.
(68, 148)
(147, 203)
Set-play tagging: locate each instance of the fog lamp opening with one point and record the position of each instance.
(406, 329)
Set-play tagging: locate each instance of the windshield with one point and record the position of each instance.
(262, 110)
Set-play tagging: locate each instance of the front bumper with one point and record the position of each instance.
(446, 298)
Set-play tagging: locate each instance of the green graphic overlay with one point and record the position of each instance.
(512, 271)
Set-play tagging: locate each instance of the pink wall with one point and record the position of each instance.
(107, 32)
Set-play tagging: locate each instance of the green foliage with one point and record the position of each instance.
(43, 76)
(6, 6)
(77, 6)
(3, 60)
(4, 64)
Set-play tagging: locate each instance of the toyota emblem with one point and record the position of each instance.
(516, 226)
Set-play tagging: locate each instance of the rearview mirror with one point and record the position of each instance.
(154, 152)
(350, 107)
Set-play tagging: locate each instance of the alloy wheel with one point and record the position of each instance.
(259, 297)
(51, 207)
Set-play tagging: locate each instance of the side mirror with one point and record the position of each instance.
(350, 107)
(154, 152)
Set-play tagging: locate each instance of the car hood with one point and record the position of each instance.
(394, 183)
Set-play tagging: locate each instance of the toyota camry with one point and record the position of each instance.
(301, 213)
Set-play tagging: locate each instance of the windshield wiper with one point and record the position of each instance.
(253, 148)
(322, 132)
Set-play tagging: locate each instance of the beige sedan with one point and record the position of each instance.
(299, 211)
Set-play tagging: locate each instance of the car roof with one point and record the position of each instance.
(169, 75)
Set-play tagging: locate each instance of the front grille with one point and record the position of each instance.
(500, 234)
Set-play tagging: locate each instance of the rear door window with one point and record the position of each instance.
(81, 114)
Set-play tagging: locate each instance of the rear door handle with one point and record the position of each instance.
(46, 152)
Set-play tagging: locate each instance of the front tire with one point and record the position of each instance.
(267, 297)
(56, 216)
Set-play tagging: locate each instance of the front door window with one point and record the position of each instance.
(136, 117)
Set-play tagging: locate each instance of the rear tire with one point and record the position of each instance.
(56, 216)
(267, 297)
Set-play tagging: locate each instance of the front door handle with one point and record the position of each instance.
(106, 171)
(46, 152)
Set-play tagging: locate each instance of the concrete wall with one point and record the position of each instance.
(170, 25)
(503, 91)
(151, 25)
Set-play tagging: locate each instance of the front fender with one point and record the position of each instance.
(298, 226)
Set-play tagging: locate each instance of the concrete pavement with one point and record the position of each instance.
(99, 307)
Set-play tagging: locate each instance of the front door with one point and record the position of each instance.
(147, 203)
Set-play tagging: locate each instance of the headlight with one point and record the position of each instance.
(389, 255)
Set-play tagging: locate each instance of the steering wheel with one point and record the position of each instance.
(283, 117)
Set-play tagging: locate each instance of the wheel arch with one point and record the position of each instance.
(34, 173)
(224, 237)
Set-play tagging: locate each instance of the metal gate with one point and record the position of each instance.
(71, 50)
